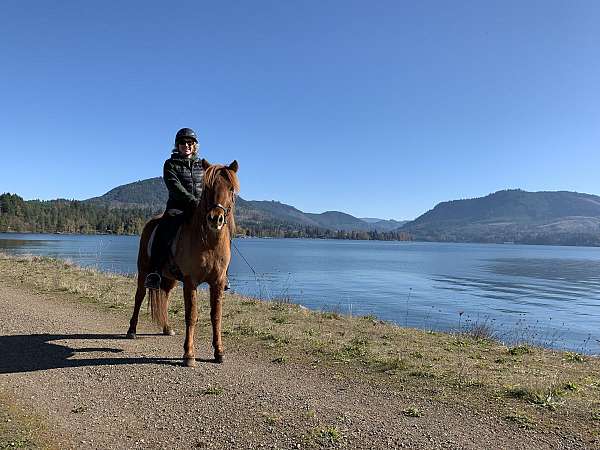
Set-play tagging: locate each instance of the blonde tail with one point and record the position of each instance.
(157, 301)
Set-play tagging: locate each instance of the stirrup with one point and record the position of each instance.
(152, 281)
(227, 285)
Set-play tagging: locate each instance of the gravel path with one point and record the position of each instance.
(69, 363)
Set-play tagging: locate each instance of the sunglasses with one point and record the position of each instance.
(187, 142)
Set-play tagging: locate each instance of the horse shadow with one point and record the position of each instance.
(33, 352)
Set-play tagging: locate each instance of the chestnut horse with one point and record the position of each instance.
(201, 255)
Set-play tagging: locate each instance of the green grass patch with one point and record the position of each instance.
(548, 397)
(570, 386)
(575, 357)
(519, 350)
(329, 435)
(422, 374)
(330, 315)
(390, 365)
(356, 349)
(270, 420)
(279, 306)
(212, 390)
(412, 411)
(281, 320)
(521, 419)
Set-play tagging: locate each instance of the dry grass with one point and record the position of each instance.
(548, 389)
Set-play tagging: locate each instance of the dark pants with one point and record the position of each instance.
(163, 238)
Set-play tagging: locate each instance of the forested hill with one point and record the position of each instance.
(561, 217)
(68, 216)
(126, 208)
(150, 193)
(268, 216)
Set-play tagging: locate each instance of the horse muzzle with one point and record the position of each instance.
(216, 219)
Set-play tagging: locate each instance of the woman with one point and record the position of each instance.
(183, 174)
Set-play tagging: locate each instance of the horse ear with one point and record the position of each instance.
(234, 166)
(205, 164)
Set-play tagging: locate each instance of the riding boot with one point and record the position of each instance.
(153, 280)
(158, 255)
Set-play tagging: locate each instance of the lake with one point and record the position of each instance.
(542, 294)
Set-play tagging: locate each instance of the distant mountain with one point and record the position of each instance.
(152, 193)
(513, 216)
(341, 221)
(385, 225)
(276, 212)
(335, 220)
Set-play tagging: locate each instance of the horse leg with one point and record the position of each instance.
(167, 285)
(140, 293)
(216, 293)
(191, 317)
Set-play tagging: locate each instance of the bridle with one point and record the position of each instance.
(225, 210)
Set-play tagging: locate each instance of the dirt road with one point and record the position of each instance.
(70, 364)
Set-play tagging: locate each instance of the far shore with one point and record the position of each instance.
(240, 236)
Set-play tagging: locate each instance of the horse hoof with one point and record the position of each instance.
(130, 335)
(219, 359)
(189, 362)
(168, 332)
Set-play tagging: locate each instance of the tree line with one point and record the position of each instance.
(74, 216)
(294, 231)
(68, 216)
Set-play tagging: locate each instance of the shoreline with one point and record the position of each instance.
(518, 333)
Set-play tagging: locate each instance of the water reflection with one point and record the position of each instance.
(15, 244)
(571, 270)
(518, 280)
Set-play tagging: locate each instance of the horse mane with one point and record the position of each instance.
(211, 176)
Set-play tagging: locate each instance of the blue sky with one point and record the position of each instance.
(378, 109)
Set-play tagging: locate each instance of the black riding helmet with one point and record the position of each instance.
(185, 133)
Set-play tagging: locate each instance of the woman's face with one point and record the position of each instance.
(186, 147)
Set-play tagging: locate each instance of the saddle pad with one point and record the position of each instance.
(173, 242)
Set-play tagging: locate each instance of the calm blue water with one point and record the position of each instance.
(545, 294)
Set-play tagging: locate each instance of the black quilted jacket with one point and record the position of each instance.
(183, 177)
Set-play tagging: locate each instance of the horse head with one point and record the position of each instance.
(218, 194)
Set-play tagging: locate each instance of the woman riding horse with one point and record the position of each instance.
(201, 254)
(183, 175)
